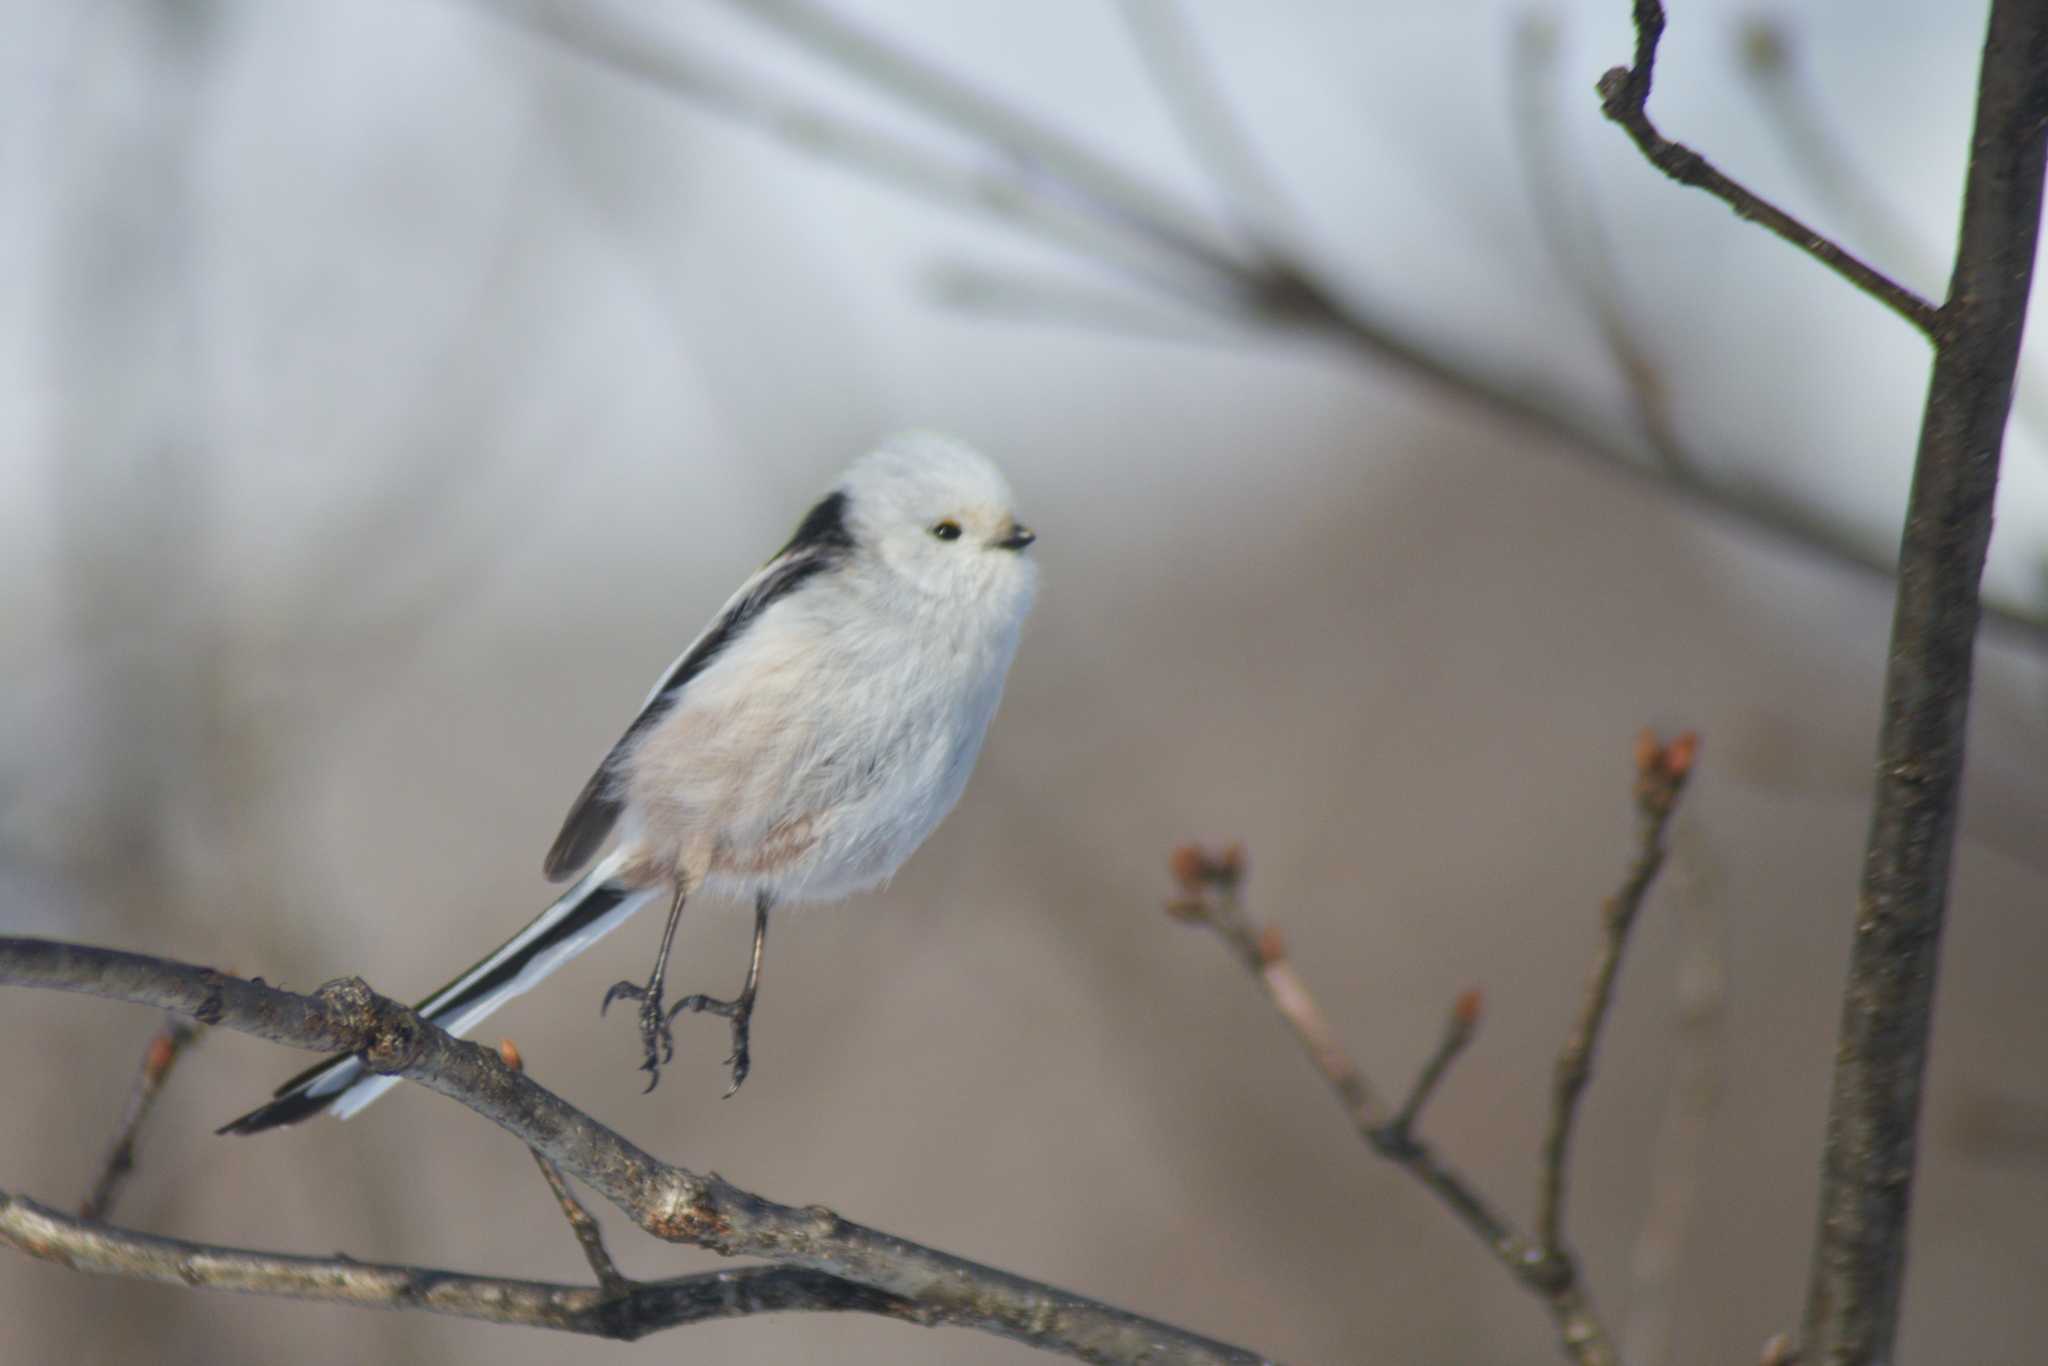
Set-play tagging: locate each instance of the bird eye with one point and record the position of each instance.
(948, 530)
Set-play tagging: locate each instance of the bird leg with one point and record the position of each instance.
(740, 1011)
(654, 1031)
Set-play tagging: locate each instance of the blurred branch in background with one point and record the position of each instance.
(1569, 222)
(1188, 88)
(1061, 191)
(1211, 888)
(1857, 1280)
(1773, 58)
(861, 1268)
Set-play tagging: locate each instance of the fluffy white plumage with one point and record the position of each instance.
(802, 747)
(814, 753)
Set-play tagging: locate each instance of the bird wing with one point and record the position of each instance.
(821, 542)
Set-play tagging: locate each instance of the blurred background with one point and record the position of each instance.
(392, 387)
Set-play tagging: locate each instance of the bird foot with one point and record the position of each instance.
(740, 1014)
(655, 1036)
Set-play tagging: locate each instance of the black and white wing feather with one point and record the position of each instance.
(822, 541)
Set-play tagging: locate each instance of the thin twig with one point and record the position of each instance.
(1625, 97)
(1461, 1026)
(645, 1307)
(158, 1058)
(671, 1202)
(1264, 952)
(1211, 896)
(1211, 886)
(1661, 773)
(588, 1235)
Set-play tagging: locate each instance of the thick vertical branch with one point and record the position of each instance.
(1867, 1172)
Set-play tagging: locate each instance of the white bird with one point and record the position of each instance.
(800, 749)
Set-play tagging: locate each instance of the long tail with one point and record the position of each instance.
(585, 913)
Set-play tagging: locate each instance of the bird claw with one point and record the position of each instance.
(655, 1035)
(740, 1014)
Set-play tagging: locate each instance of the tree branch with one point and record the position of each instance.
(158, 1058)
(1625, 97)
(1887, 1009)
(670, 1202)
(588, 1235)
(1264, 953)
(1661, 773)
(1210, 896)
(640, 1309)
(1461, 1026)
(1211, 887)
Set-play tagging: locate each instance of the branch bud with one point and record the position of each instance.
(1468, 1008)
(1229, 865)
(163, 1051)
(1190, 867)
(1647, 752)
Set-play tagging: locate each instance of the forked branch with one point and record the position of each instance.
(1211, 895)
(1857, 1280)
(642, 1308)
(670, 1202)
(1625, 98)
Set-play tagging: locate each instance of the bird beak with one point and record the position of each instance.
(1019, 537)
